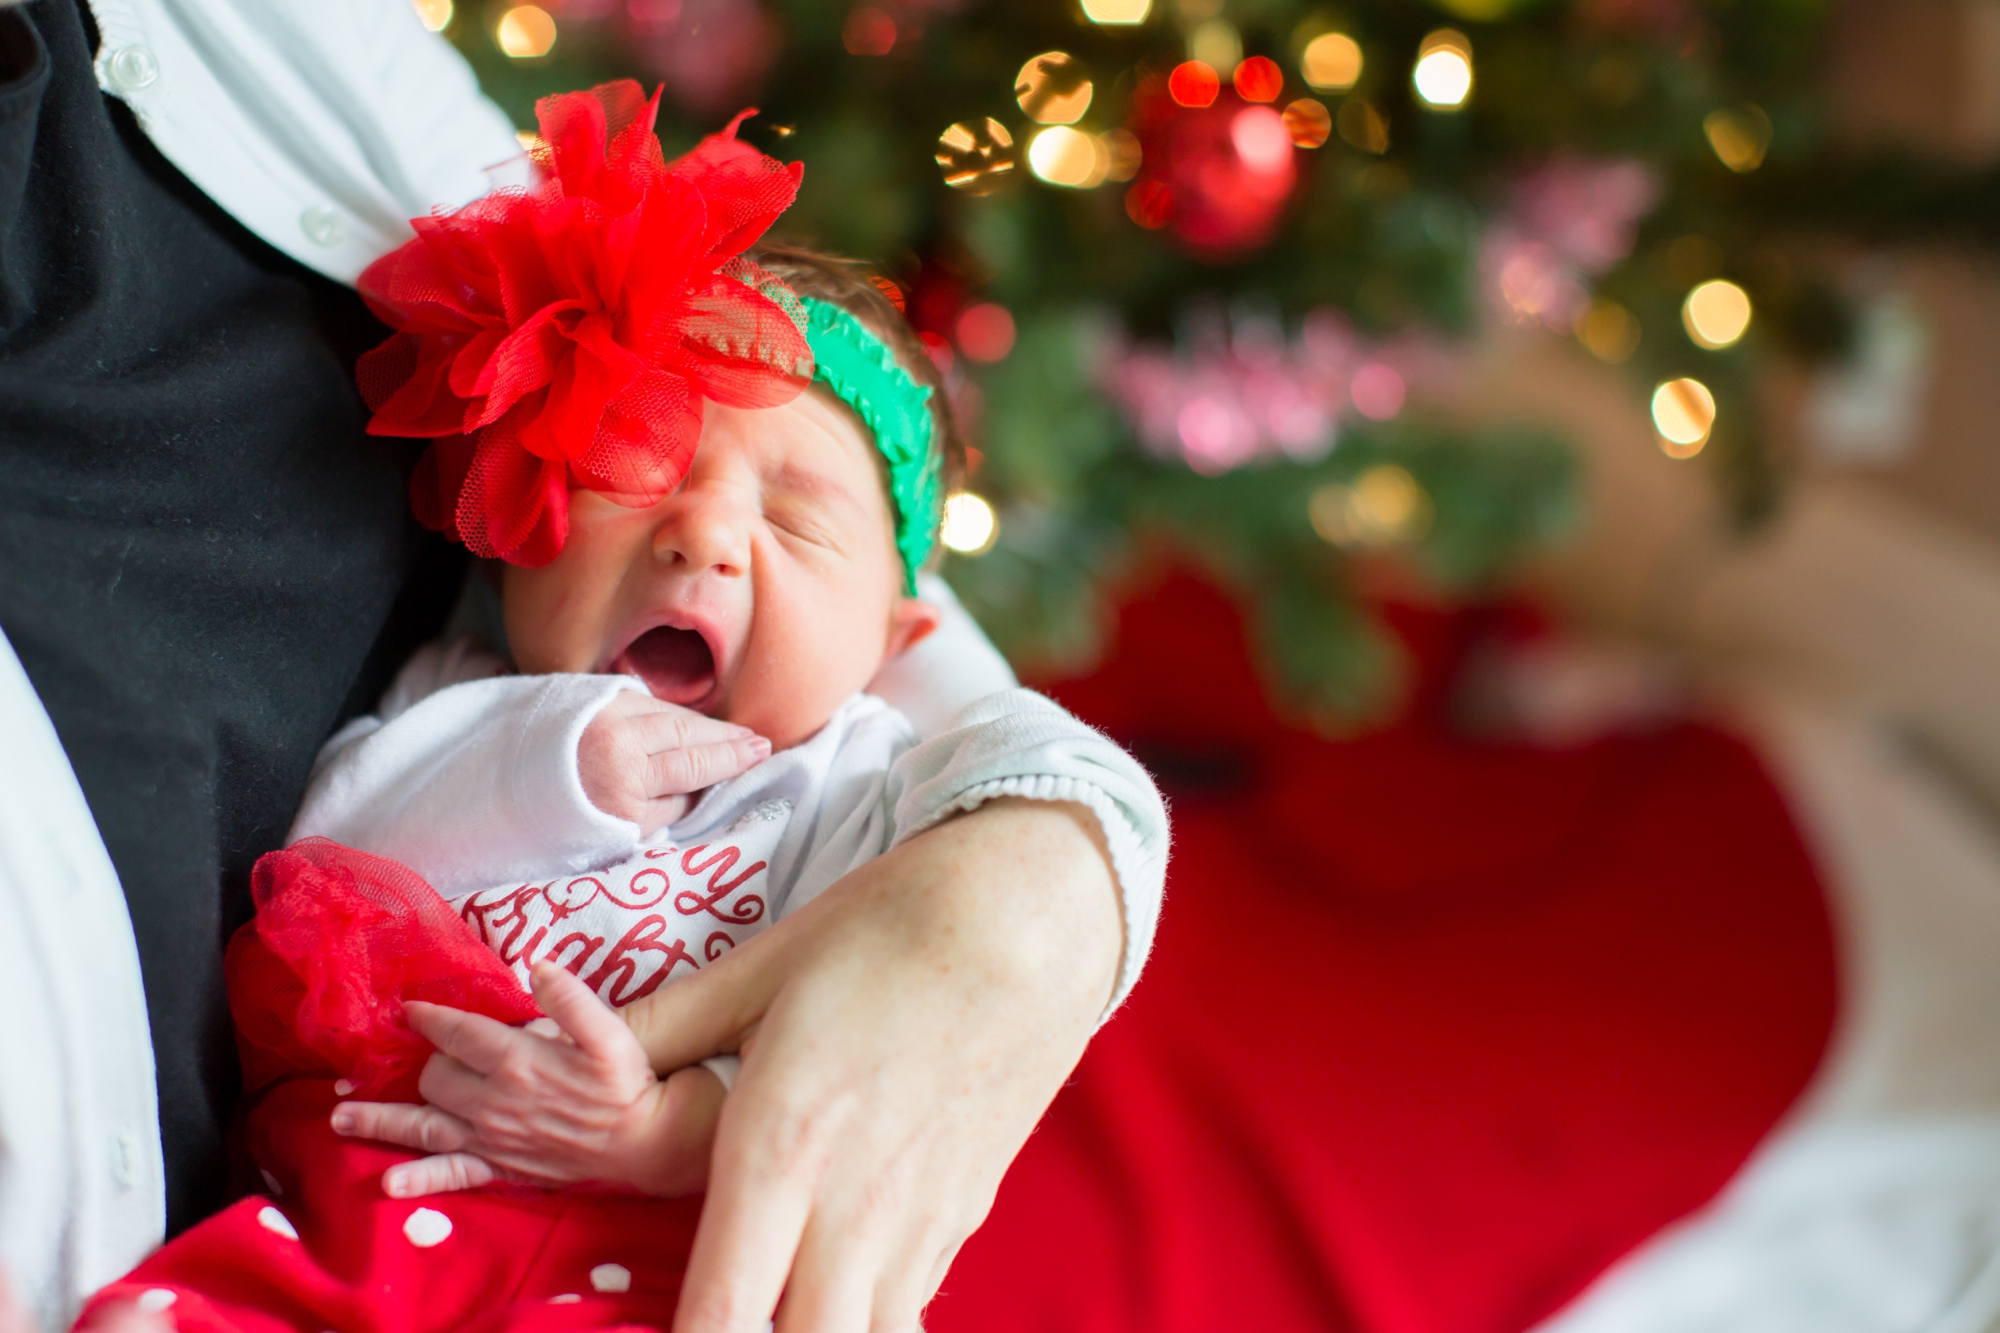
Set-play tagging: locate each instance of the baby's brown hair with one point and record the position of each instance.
(852, 287)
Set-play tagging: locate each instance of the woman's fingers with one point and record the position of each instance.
(760, 1192)
(443, 1173)
(472, 1039)
(424, 1128)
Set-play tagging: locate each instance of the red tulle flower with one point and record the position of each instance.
(567, 335)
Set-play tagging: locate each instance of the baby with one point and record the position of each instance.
(683, 754)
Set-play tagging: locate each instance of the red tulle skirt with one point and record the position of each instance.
(316, 984)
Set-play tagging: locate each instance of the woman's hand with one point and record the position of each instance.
(569, 1097)
(643, 760)
(901, 1036)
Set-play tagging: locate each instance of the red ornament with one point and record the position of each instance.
(567, 335)
(1219, 175)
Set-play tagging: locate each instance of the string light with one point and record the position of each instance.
(1259, 79)
(1309, 122)
(1609, 331)
(986, 332)
(970, 525)
(1127, 154)
(1331, 62)
(1385, 506)
(525, 32)
(868, 32)
(1052, 89)
(1717, 314)
(1194, 83)
(1115, 13)
(435, 14)
(1683, 414)
(976, 156)
(1216, 44)
(1362, 126)
(1739, 137)
(1443, 73)
(1377, 391)
(1067, 157)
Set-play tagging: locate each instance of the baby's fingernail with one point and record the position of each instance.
(393, 1186)
(760, 746)
(343, 1122)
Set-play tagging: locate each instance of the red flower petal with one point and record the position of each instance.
(567, 334)
(645, 442)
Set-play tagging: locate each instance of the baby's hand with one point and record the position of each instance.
(555, 1102)
(642, 760)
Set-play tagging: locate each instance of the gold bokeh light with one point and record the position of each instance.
(1717, 314)
(1053, 89)
(1443, 72)
(970, 525)
(1684, 415)
(1384, 506)
(1332, 62)
(976, 156)
(1068, 157)
(1117, 13)
(1740, 136)
(435, 14)
(525, 32)
(1609, 331)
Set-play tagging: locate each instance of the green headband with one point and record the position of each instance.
(864, 373)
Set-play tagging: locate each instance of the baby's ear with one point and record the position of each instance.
(911, 623)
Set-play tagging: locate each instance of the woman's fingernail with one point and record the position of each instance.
(343, 1122)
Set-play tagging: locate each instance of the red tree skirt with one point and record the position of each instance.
(1433, 1033)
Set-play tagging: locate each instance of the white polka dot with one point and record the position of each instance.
(567, 1298)
(611, 1277)
(271, 1183)
(343, 1088)
(273, 1220)
(156, 1300)
(426, 1227)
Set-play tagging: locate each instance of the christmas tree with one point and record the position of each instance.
(1194, 267)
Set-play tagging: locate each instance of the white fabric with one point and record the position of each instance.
(469, 777)
(82, 1183)
(321, 125)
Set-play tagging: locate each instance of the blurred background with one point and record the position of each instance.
(1522, 474)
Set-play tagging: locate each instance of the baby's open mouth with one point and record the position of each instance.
(676, 664)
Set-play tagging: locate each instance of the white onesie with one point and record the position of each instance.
(468, 775)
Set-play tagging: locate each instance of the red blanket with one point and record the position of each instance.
(316, 984)
(1434, 1031)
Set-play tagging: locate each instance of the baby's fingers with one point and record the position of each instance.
(693, 767)
(424, 1128)
(441, 1174)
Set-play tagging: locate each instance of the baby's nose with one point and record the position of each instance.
(706, 531)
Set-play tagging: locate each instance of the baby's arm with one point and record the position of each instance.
(471, 776)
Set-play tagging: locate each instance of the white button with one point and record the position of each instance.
(342, 1088)
(271, 1183)
(273, 1220)
(133, 68)
(611, 1277)
(323, 227)
(426, 1227)
(156, 1300)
